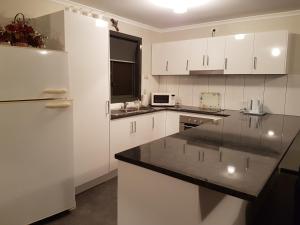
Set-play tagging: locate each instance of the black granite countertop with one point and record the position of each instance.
(117, 114)
(236, 155)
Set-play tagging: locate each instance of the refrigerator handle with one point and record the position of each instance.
(59, 104)
(107, 108)
(55, 91)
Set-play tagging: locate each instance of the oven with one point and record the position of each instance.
(188, 122)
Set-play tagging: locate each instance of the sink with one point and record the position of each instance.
(130, 110)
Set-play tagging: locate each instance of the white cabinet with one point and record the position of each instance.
(270, 52)
(160, 62)
(239, 54)
(88, 48)
(197, 49)
(259, 53)
(159, 125)
(134, 131)
(170, 58)
(215, 53)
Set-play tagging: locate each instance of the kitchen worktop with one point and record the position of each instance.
(236, 155)
(117, 114)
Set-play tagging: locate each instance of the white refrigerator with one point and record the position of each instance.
(36, 143)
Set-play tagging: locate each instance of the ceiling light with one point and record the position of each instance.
(179, 6)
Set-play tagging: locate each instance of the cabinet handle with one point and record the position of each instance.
(167, 66)
(187, 65)
(255, 62)
(131, 127)
(203, 62)
(207, 60)
(153, 122)
(226, 63)
(134, 126)
(59, 104)
(107, 108)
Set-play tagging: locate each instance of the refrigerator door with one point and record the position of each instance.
(36, 160)
(27, 73)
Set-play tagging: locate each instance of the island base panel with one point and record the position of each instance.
(147, 197)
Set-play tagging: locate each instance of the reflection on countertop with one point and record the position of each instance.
(236, 155)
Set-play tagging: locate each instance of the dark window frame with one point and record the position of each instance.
(138, 70)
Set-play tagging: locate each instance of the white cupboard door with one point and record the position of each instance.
(197, 49)
(178, 58)
(25, 73)
(215, 53)
(158, 125)
(122, 137)
(270, 52)
(160, 63)
(239, 54)
(172, 123)
(88, 46)
(36, 161)
(143, 129)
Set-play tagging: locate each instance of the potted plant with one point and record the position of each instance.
(22, 33)
(4, 37)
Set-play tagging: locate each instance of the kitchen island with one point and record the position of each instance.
(208, 175)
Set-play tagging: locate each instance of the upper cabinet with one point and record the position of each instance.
(270, 53)
(170, 58)
(197, 49)
(215, 53)
(259, 53)
(239, 54)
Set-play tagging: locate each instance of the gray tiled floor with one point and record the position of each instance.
(97, 206)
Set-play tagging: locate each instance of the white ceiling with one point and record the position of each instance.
(144, 11)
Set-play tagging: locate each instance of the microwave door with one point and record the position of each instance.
(161, 99)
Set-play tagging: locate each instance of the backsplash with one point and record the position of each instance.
(280, 94)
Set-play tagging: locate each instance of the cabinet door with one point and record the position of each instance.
(197, 49)
(172, 123)
(122, 137)
(158, 125)
(239, 54)
(177, 58)
(143, 129)
(160, 64)
(89, 81)
(215, 53)
(270, 52)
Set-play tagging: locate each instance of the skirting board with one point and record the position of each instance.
(93, 183)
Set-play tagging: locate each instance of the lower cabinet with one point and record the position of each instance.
(133, 131)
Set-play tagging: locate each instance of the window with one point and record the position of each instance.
(125, 67)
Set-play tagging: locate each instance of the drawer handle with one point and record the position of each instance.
(59, 104)
(55, 91)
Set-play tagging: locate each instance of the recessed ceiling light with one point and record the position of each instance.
(179, 6)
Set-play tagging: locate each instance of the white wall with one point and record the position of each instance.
(279, 93)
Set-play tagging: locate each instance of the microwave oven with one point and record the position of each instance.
(163, 99)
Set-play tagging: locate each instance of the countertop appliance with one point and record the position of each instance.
(36, 141)
(163, 99)
(255, 107)
(188, 122)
